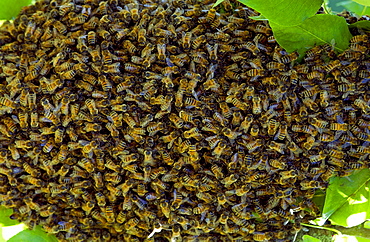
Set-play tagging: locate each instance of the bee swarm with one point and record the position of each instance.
(144, 121)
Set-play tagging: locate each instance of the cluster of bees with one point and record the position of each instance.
(126, 120)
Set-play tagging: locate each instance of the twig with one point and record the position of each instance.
(320, 227)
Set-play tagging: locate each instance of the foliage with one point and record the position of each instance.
(364, 24)
(4, 217)
(347, 199)
(355, 7)
(9, 8)
(36, 235)
(308, 238)
(287, 12)
(347, 204)
(367, 225)
(312, 32)
(297, 27)
(363, 2)
(348, 238)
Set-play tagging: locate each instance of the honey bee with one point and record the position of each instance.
(200, 209)
(142, 37)
(68, 74)
(256, 105)
(96, 55)
(312, 184)
(131, 48)
(109, 214)
(212, 51)
(176, 232)
(198, 41)
(8, 103)
(359, 102)
(359, 38)
(11, 124)
(226, 111)
(272, 126)
(318, 123)
(86, 164)
(30, 29)
(289, 58)
(165, 208)
(34, 181)
(357, 47)
(227, 181)
(237, 119)
(180, 59)
(308, 102)
(279, 147)
(185, 116)
(154, 128)
(105, 84)
(245, 125)
(134, 13)
(100, 198)
(23, 98)
(239, 104)
(48, 210)
(111, 68)
(219, 149)
(283, 132)
(60, 27)
(275, 66)
(339, 126)
(332, 65)
(34, 120)
(121, 217)
(88, 206)
(310, 142)
(147, 50)
(261, 236)
(315, 75)
(91, 37)
(217, 172)
(49, 145)
(193, 133)
(161, 48)
(364, 74)
(170, 138)
(59, 133)
(231, 134)
(32, 171)
(251, 47)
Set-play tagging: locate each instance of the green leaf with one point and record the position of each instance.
(367, 225)
(319, 199)
(259, 17)
(1, 237)
(345, 238)
(346, 202)
(355, 7)
(285, 12)
(317, 30)
(327, 7)
(308, 238)
(363, 24)
(10, 231)
(36, 235)
(363, 2)
(4, 217)
(11, 8)
(217, 3)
